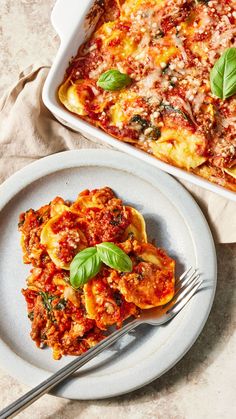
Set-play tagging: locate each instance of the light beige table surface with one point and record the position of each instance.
(203, 384)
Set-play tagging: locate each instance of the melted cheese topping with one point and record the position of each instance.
(124, 108)
(168, 49)
(179, 147)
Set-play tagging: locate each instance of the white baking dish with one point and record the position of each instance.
(69, 20)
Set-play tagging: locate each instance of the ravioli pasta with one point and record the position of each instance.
(71, 321)
(167, 48)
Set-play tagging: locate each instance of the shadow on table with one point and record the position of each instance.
(213, 338)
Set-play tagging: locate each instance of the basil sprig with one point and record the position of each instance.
(87, 263)
(113, 80)
(223, 75)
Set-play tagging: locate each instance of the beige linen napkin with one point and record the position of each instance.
(28, 131)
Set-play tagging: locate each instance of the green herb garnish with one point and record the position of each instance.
(113, 256)
(61, 305)
(47, 300)
(113, 80)
(154, 133)
(87, 263)
(223, 75)
(159, 34)
(137, 119)
(170, 108)
(166, 69)
(31, 315)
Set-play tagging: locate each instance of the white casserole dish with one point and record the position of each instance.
(69, 18)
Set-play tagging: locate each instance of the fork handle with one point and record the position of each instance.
(47, 385)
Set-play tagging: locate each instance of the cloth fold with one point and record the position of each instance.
(28, 131)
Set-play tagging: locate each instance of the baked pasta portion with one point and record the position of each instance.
(144, 78)
(71, 318)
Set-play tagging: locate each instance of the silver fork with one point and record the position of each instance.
(186, 287)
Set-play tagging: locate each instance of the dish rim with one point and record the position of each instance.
(113, 160)
(68, 35)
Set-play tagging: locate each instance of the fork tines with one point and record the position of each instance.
(187, 285)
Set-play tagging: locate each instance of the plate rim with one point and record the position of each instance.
(113, 160)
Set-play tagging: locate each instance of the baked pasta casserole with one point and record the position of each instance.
(71, 317)
(161, 75)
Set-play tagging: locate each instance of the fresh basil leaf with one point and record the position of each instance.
(223, 75)
(113, 256)
(85, 265)
(113, 80)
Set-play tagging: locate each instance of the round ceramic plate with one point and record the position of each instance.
(173, 220)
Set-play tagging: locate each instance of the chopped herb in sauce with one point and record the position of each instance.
(137, 119)
(118, 298)
(159, 34)
(47, 300)
(154, 134)
(116, 220)
(131, 236)
(61, 305)
(170, 108)
(150, 131)
(166, 69)
(31, 315)
(139, 259)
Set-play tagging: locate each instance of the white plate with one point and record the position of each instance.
(173, 219)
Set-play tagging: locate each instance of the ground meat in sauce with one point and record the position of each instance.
(71, 321)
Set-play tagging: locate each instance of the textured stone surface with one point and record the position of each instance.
(202, 384)
(26, 36)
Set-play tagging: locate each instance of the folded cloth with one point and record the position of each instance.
(28, 131)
